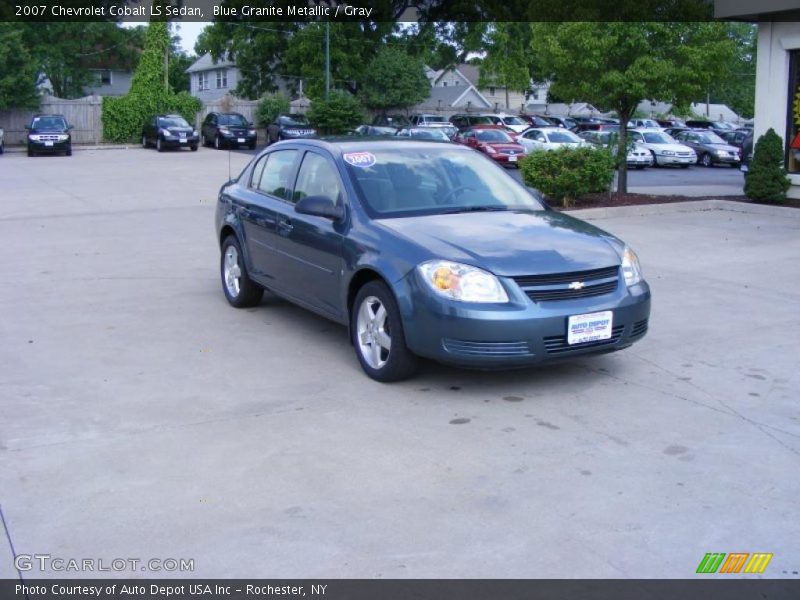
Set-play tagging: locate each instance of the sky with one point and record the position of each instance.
(188, 32)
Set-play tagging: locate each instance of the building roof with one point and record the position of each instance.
(763, 10)
(206, 62)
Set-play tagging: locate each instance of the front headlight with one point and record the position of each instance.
(63, 137)
(722, 153)
(251, 132)
(491, 150)
(462, 282)
(33, 138)
(194, 133)
(224, 131)
(166, 133)
(667, 153)
(631, 269)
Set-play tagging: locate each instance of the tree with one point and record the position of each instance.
(340, 113)
(616, 65)
(270, 106)
(396, 80)
(508, 62)
(766, 179)
(19, 72)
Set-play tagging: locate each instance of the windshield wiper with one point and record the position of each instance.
(464, 209)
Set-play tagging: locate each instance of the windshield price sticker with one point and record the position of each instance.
(360, 159)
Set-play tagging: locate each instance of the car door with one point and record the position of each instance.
(532, 140)
(310, 247)
(257, 208)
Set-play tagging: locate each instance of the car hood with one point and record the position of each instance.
(511, 243)
(667, 147)
(712, 147)
(499, 146)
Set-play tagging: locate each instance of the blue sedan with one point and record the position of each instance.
(425, 249)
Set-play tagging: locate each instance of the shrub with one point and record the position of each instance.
(270, 106)
(564, 174)
(124, 116)
(766, 180)
(340, 113)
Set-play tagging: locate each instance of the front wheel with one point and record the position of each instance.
(194, 148)
(377, 334)
(217, 142)
(144, 141)
(240, 290)
(159, 145)
(706, 160)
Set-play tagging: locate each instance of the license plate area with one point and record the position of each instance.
(240, 140)
(590, 327)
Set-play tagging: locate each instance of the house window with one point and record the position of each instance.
(455, 81)
(536, 95)
(793, 122)
(105, 77)
(222, 78)
(202, 81)
(492, 90)
(444, 84)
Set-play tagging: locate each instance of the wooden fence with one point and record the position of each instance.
(82, 113)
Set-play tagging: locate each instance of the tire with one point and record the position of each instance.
(217, 142)
(239, 289)
(144, 141)
(193, 148)
(684, 166)
(203, 140)
(706, 160)
(2, 148)
(252, 145)
(159, 145)
(655, 159)
(30, 152)
(375, 324)
(68, 152)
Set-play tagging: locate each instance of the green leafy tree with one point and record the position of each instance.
(567, 173)
(19, 71)
(396, 80)
(270, 106)
(766, 179)
(508, 62)
(150, 93)
(616, 65)
(339, 114)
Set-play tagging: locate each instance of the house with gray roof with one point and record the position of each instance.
(210, 80)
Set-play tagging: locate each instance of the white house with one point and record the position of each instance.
(777, 72)
(210, 80)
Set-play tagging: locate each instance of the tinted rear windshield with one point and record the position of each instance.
(411, 181)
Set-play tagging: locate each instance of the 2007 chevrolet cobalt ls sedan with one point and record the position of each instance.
(425, 249)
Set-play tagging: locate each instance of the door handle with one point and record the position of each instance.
(285, 226)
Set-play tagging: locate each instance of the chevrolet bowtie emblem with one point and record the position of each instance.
(577, 285)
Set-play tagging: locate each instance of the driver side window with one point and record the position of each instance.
(317, 177)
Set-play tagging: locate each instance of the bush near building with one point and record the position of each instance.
(567, 173)
(766, 179)
(270, 106)
(338, 114)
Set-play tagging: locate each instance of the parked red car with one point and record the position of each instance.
(493, 141)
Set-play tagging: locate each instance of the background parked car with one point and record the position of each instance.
(539, 121)
(169, 131)
(549, 138)
(565, 122)
(289, 127)
(374, 130)
(747, 152)
(436, 134)
(514, 123)
(493, 141)
(396, 121)
(595, 126)
(227, 130)
(665, 150)
(49, 134)
(734, 138)
(426, 119)
(2, 141)
(670, 123)
(636, 157)
(462, 122)
(706, 124)
(710, 148)
(643, 124)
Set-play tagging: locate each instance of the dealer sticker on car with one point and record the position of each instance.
(590, 327)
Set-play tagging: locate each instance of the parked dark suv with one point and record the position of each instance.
(227, 129)
(169, 131)
(290, 127)
(49, 134)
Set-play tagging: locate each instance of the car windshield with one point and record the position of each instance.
(295, 120)
(563, 137)
(433, 119)
(430, 134)
(709, 138)
(492, 135)
(481, 121)
(436, 180)
(540, 122)
(172, 122)
(232, 120)
(657, 138)
(49, 123)
(514, 121)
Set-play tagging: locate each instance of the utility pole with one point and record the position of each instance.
(327, 60)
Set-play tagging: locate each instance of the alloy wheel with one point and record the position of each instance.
(232, 272)
(372, 332)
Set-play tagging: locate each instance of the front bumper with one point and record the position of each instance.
(639, 161)
(55, 147)
(725, 160)
(179, 142)
(234, 139)
(677, 160)
(518, 334)
(507, 159)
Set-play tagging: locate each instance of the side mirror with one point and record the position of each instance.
(28, 127)
(319, 206)
(70, 127)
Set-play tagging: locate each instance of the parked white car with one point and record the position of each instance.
(643, 124)
(665, 150)
(512, 122)
(549, 138)
(637, 157)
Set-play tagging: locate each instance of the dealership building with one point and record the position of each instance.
(777, 71)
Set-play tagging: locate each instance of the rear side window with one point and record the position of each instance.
(317, 177)
(275, 176)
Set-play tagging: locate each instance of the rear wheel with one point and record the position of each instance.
(706, 160)
(252, 145)
(377, 334)
(159, 145)
(240, 290)
(144, 141)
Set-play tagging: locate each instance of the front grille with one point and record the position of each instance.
(556, 286)
(489, 349)
(639, 328)
(556, 344)
(510, 152)
(684, 154)
(48, 137)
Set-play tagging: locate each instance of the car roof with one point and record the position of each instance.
(355, 144)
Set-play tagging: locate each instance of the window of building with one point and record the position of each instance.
(492, 90)
(793, 121)
(105, 77)
(202, 81)
(222, 78)
(444, 84)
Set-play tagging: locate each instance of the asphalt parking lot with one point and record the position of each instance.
(142, 417)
